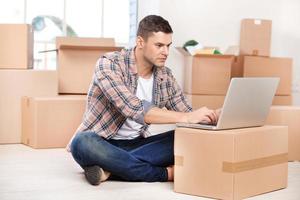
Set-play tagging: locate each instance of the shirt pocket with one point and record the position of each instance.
(164, 94)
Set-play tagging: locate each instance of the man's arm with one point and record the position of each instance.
(161, 116)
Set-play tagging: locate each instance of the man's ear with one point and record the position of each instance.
(140, 42)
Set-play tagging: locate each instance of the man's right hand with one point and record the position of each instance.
(202, 115)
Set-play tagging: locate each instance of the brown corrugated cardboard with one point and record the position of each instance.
(206, 74)
(209, 101)
(283, 100)
(50, 122)
(256, 66)
(13, 85)
(62, 42)
(76, 62)
(16, 49)
(230, 164)
(237, 68)
(255, 37)
(288, 116)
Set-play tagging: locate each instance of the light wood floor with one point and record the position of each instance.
(29, 174)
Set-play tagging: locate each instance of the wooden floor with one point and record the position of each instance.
(29, 174)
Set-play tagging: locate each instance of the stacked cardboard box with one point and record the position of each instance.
(15, 83)
(288, 116)
(45, 119)
(206, 78)
(230, 164)
(50, 122)
(16, 49)
(255, 40)
(255, 37)
(76, 61)
(256, 66)
(255, 61)
(18, 79)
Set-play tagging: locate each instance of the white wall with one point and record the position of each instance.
(217, 23)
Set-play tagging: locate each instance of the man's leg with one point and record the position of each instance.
(89, 149)
(157, 150)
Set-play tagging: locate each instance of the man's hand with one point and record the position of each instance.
(203, 115)
(218, 111)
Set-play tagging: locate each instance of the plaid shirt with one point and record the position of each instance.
(111, 97)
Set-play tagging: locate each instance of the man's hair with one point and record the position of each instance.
(153, 23)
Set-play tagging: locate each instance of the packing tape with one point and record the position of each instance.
(178, 160)
(255, 52)
(232, 167)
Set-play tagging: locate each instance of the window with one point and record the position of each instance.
(85, 17)
(45, 17)
(133, 21)
(114, 26)
(82, 18)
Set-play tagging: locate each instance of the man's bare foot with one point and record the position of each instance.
(170, 170)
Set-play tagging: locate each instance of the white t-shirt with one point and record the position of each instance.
(130, 128)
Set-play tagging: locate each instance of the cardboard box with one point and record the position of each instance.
(288, 116)
(283, 100)
(84, 42)
(13, 85)
(206, 74)
(230, 164)
(77, 59)
(255, 66)
(209, 101)
(255, 37)
(50, 122)
(16, 49)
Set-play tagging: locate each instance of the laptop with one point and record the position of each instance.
(247, 104)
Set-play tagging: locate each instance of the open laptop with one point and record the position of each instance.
(247, 104)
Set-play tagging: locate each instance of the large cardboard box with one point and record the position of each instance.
(256, 66)
(77, 59)
(209, 101)
(283, 100)
(206, 74)
(288, 116)
(230, 164)
(13, 85)
(50, 122)
(255, 37)
(16, 49)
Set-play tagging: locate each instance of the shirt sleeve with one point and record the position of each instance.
(177, 100)
(109, 78)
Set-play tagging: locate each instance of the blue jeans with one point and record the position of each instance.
(140, 159)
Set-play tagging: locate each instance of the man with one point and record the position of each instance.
(128, 91)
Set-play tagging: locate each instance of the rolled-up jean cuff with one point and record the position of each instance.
(147, 106)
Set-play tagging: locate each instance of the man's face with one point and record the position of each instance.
(156, 48)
